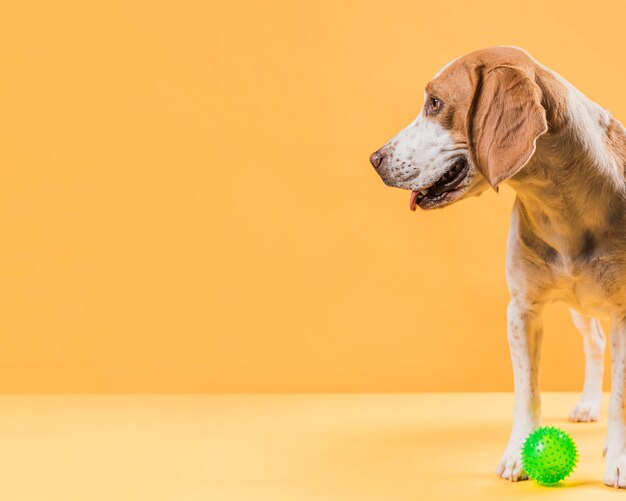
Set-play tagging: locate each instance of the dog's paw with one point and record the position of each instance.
(585, 411)
(615, 471)
(510, 467)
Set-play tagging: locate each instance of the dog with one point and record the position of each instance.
(497, 115)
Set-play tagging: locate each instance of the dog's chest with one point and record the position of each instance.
(571, 259)
(591, 285)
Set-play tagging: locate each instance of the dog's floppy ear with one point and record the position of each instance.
(504, 121)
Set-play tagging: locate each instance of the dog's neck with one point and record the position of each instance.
(574, 188)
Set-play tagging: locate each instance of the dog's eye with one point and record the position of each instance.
(434, 105)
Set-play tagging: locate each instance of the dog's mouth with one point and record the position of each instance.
(442, 189)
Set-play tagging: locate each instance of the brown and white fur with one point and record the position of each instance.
(497, 115)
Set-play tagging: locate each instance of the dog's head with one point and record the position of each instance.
(479, 125)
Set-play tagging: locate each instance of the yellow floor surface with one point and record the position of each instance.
(387, 447)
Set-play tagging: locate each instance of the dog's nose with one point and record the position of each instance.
(376, 158)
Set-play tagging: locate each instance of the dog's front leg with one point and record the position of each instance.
(524, 332)
(615, 446)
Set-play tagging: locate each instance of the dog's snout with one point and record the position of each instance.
(376, 159)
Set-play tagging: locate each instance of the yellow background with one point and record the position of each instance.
(269, 447)
(187, 203)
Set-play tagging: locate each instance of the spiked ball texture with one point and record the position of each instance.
(549, 455)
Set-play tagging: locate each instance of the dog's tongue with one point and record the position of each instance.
(413, 201)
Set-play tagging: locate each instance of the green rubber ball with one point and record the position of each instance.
(549, 455)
